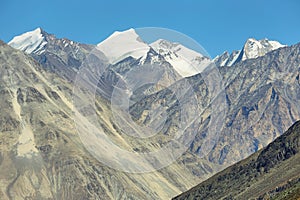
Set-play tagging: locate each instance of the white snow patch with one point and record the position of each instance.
(185, 61)
(123, 44)
(224, 62)
(276, 45)
(235, 57)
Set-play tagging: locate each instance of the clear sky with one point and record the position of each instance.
(218, 25)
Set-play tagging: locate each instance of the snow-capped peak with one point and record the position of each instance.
(120, 45)
(123, 44)
(254, 48)
(29, 42)
(185, 61)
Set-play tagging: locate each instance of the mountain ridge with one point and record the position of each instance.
(252, 48)
(120, 45)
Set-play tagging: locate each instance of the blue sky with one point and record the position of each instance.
(216, 25)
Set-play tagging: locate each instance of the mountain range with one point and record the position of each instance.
(260, 92)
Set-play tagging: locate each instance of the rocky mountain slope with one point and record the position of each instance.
(42, 156)
(271, 173)
(261, 102)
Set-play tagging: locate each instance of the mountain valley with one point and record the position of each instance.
(236, 104)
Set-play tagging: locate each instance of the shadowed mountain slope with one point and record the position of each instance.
(273, 172)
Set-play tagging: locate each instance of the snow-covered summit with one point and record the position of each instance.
(29, 42)
(252, 49)
(123, 44)
(185, 61)
(255, 48)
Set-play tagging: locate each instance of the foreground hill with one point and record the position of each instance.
(273, 172)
